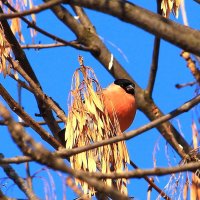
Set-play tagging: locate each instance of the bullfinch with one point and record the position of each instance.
(120, 98)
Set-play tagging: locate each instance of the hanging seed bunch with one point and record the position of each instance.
(169, 6)
(5, 50)
(88, 122)
(16, 25)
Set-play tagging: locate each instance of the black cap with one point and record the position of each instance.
(127, 85)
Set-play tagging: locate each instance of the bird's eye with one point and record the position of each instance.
(127, 85)
(130, 89)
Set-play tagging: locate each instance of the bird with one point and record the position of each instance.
(120, 98)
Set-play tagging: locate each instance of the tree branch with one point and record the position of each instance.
(24, 63)
(198, 1)
(38, 92)
(28, 176)
(11, 173)
(15, 160)
(73, 44)
(21, 83)
(21, 113)
(3, 197)
(179, 86)
(152, 184)
(42, 46)
(34, 10)
(27, 125)
(139, 173)
(154, 64)
(83, 18)
(179, 35)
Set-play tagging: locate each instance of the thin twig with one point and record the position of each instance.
(34, 10)
(74, 44)
(155, 56)
(11, 173)
(15, 160)
(2, 123)
(38, 92)
(149, 190)
(154, 66)
(42, 46)
(152, 184)
(21, 83)
(179, 86)
(20, 56)
(140, 173)
(28, 176)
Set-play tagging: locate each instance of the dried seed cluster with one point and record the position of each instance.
(169, 6)
(88, 122)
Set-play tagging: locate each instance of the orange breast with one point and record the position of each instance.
(123, 103)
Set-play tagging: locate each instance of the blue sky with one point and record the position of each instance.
(54, 69)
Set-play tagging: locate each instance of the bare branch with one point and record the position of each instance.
(15, 160)
(42, 46)
(179, 86)
(181, 36)
(83, 18)
(28, 176)
(34, 125)
(21, 83)
(83, 34)
(11, 173)
(64, 43)
(38, 92)
(198, 1)
(34, 10)
(74, 44)
(139, 173)
(154, 66)
(24, 63)
(28, 125)
(131, 13)
(152, 184)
